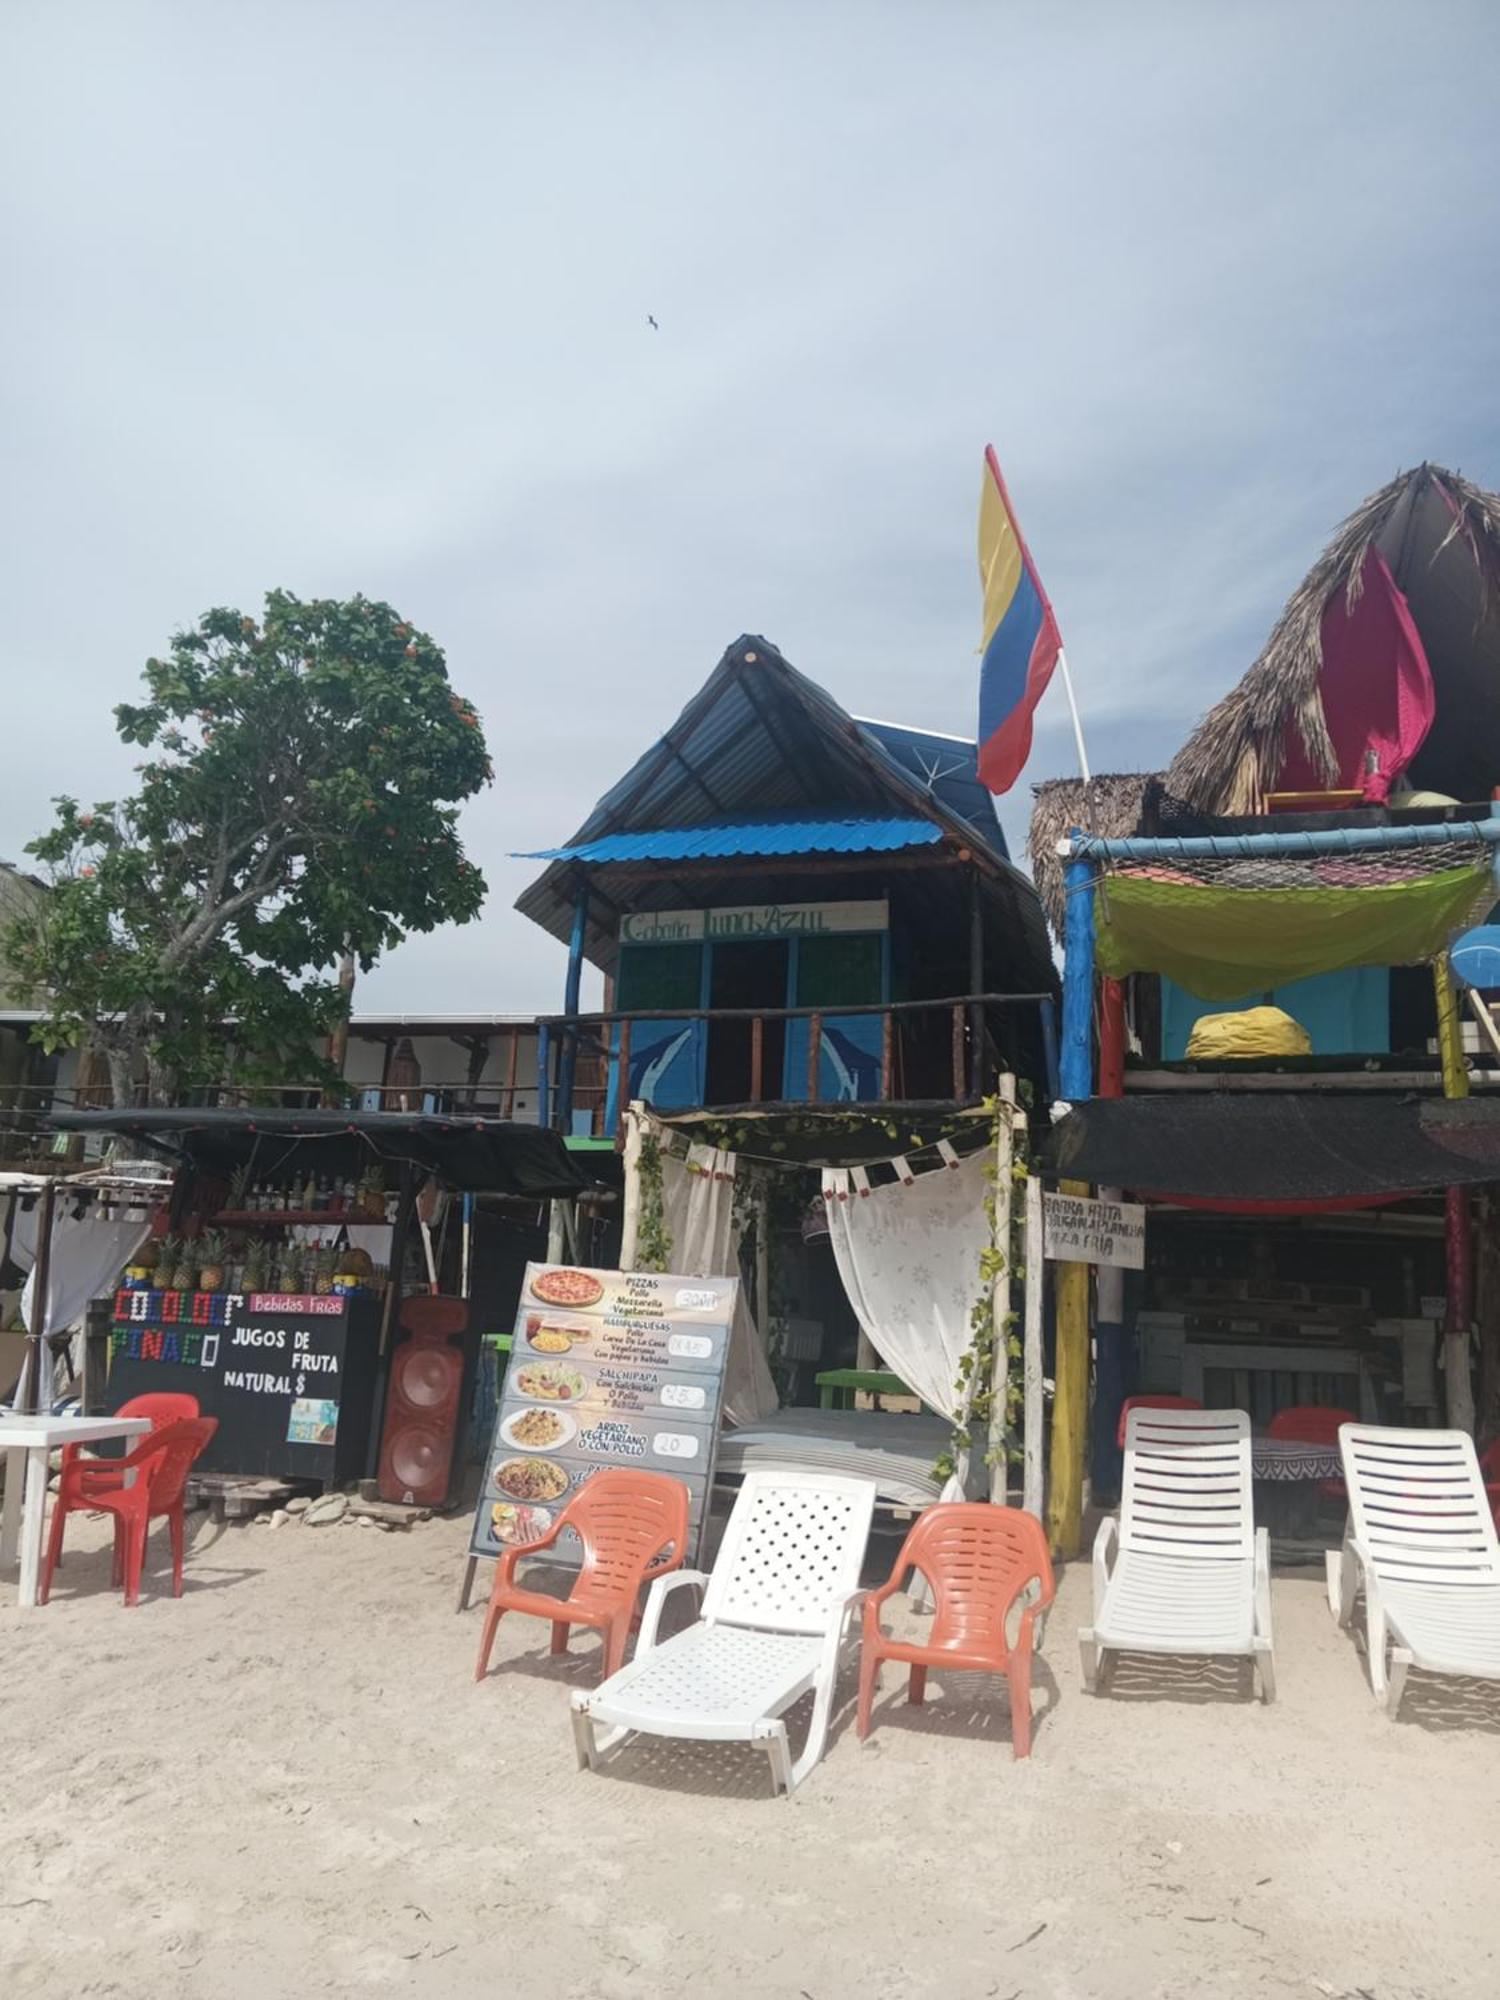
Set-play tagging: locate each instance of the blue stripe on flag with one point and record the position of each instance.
(1007, 658)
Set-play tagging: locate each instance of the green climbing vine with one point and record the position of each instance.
(976, 1369)
(653, 1240)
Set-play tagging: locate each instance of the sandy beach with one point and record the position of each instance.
(288, 1783)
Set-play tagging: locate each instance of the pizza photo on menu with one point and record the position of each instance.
(567, 1288)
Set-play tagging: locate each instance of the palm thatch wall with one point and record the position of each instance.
(1441, 536)
(1109, 805)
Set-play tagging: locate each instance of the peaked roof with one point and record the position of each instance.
(759, 740)
(1440, 534)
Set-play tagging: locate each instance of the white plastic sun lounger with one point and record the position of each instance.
(777, 1616)
(1421, 1541)
(1186, 1571)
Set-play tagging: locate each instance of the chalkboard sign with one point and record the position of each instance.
(606, 1368)
(290, 1377)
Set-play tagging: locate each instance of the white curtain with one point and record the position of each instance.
(908, 1254)
(88, 1254)
(698, 1209)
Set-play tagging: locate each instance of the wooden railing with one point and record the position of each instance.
(567, 1042)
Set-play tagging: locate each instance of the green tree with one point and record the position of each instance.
(299, 801)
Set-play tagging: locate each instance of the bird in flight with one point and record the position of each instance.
(651, 321)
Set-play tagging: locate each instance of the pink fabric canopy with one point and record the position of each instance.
(1376, 688)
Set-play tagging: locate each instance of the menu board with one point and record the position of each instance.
(290, 1377)
(606, 1368)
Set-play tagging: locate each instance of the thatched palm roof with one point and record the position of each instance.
(1109, 805)
(1441, 537)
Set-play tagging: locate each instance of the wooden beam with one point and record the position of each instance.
(1032, 1356)
(1005, 1142)
(1070, 1402)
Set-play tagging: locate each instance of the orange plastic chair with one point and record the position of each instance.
(978, 1559)
(160, 1463)
(631, 1523)
(1152, 1403)
(1311, 1423)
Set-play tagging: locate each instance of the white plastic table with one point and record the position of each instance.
(28, 1443)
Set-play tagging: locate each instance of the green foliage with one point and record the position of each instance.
(299, 801)
(653, 1242)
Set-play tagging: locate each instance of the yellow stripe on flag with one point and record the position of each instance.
(999, 557)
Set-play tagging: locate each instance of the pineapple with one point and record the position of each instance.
(211, 1247)
(257, 1268)
(372, 1193)
(325, 1263)
(239, 1188)
(168, 1249)
(289, 1270)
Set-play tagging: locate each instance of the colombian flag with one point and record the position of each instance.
(1021, 639)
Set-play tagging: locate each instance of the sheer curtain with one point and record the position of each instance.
(908, 1254)
(88, 1254)
(698, 1209)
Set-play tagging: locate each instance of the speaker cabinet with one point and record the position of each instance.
(424, 1403)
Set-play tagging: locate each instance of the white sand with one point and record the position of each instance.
(288, 1784)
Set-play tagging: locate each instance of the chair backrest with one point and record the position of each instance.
(1489, 1460)
(167, 1457)
(1187, 1484)
(1419, 1505)
(794, 1544)
(626, 1518)
(976, 1558)
(164, 1407)
(1310, 1423)
(1152, 1403)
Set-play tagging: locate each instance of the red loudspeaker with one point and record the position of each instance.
(420, 1439)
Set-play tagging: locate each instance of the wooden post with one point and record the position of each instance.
(512, 1062)
(1111, 1037)
(814, 1056)
(757, 1057)
(958, 1053)
(1076, 1054)
(1005, 1141)
(1458, 1238)
(406, 1202)
(1033, 1481)
(1070, 1402)
(630, 1213)
(887, 1050)
(622, 1069)
(571, 991)
(976, 984)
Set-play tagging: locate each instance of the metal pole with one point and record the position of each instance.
(1083, 755)
(38, 1318)
(1076, 1057)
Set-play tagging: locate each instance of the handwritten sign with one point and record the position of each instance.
(607, 1368)
(752, 921)
(1078, 1230)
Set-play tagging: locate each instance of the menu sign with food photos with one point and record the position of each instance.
(606, 1368)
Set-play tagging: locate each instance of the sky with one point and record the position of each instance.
(347, 298)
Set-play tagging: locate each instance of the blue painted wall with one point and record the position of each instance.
(1345, 1013)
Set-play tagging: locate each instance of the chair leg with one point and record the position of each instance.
(1265, 1667)
(616, 1639)
(869, 1681)
(1400, 1668)
(785, 1774)
(560, 1633)
(493, 1614)
(117, 1556)
(54, 1547)
(916, 1686)
(175, 1524)
(135, 1558)
(1089, 1651)
(584, 1746)
(1018, 1675)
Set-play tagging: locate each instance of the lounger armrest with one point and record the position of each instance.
(842, 1613)
(1106, 1546)
(656, 1597)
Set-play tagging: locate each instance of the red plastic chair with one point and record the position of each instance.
(978, 1559)
(160, 1463)
(1311, 1423)
(1152, 1403)
(630, 1523)
(162, 1409)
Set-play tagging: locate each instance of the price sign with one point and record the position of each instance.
(607, 1368)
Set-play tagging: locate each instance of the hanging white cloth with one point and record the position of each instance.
(698, 1211)
(88, 1254)
(908, 1254)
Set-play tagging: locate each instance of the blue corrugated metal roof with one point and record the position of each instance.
(948, 766)
(865, 835)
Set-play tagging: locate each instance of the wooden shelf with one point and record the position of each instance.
(250, 1218)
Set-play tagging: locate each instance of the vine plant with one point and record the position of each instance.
(653, 1240)
(974, 1382)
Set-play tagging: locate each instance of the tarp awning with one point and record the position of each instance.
(1278, 1148)
(1221, 940)
(470, 1155)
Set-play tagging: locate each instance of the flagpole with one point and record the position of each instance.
(1083, 755)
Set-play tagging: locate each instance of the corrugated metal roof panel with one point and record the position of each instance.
(868, 835)
(949, 768)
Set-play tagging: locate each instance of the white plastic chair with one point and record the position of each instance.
(778, 1613)
(1421, 1542)
(1186, 1571)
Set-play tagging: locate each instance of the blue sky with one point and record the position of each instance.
(355, 298)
